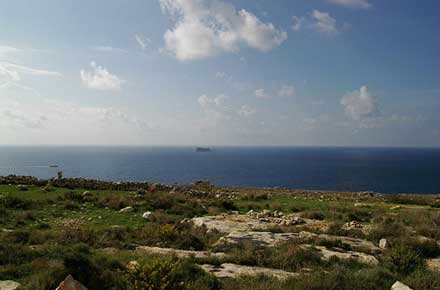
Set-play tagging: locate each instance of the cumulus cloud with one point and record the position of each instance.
(204, 28)
(360, 4)
(286, 91)
(99, 78)
(323, 22)
(360, 105)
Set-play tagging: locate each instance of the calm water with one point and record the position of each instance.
(358, 169)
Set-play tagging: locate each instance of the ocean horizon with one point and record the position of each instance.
(378, 169)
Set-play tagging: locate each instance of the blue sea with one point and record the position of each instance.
(387, 170)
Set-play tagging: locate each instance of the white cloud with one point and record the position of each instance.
(11, 74)
(361, 4)
(246, 111)
(6, 50)
(206, 101)
(99, 78)
(297, 23)
(287, 91)
(204, 28)
(143, 42)
(260, 93)
(323, 22)
(360, 105)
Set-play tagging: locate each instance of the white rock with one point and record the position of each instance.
(147, 215)
(126, 209)
(9, 285)
(399, 286)
(383, 243)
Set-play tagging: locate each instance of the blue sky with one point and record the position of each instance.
(220, 72)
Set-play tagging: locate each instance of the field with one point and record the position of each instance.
(234, 238)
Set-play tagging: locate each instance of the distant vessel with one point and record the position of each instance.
(53, 166)
(203, 149)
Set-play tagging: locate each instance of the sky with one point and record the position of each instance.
(220, 72)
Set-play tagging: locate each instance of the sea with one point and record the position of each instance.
(385, 170)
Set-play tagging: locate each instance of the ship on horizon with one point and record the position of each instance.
(203, 149)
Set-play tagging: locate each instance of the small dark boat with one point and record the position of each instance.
(53, 166)
(203, 149)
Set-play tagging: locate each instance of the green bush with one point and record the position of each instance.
(169, 274)
(402, 259)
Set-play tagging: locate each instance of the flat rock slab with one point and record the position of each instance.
(354, 243)
(9, 285)
(268, 239)
(228, 270)
(327, 254)
(178, 253)
(236, 222)
(433, 264)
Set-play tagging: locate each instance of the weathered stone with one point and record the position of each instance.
(396, 207)
(433, 264)
(383, 244)
(399, 286)
(327, 254)
(70, 284)
(132, 266)
(178, 253)
(228, 270)
(147, 215)
(9, 285)
(268, 239)
(126, 209)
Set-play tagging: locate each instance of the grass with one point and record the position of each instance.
(48, 232)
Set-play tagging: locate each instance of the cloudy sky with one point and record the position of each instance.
(220, 72)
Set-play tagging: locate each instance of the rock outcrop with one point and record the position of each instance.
(228, 270)
(399, 286)
(433, 264)
(9, 285)
(70, 284)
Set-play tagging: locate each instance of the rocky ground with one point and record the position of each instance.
(77, 233)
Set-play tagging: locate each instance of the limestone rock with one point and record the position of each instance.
(132, 266)
(70, 284)
(126, 209)
(383, 244)
(147, 215)
(433, 264)
(9, 285)
(399, 286)
(346, 255)
(228, 270)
